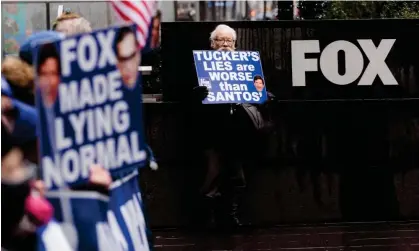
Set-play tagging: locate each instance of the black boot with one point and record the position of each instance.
(201, 213)
(227, 212)
(211, 208)
(235, 214)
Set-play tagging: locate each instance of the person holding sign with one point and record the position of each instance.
(232, 85)
(128, 56)
(220, 192)
(99, 140)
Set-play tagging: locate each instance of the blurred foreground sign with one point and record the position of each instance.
(89, 103)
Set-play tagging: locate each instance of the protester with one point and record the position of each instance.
(23, 207)
(19, 116)
(228, 133)
(71, 23)
(26, 208)
(100, 179)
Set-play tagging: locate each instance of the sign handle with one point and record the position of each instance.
(60, 10)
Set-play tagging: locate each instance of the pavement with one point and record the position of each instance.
(379, 236)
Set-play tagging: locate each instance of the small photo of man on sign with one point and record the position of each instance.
(128, 56)
(259, 83)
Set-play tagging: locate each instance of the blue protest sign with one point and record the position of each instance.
(51, 237)
(82, 217)
(89, 104)
(231, 76)
(94, 222)
(126, 216)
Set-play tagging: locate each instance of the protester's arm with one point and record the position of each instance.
(100, 179)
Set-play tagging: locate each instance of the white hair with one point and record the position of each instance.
(223, 27)
(74, 26)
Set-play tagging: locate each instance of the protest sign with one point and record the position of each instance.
(125, 215)
(82, 218)
(231, 76)
(51, 237)
(89, 104)
(95, 222)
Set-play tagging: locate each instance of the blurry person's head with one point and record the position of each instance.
(18, 73)
(71, 23)
(223, 38)
(259, 83)
(49, 72)
(26, 48)
(128, 55)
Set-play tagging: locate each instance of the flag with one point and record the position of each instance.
(139, 12)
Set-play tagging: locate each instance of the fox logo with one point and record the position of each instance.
(354, 61)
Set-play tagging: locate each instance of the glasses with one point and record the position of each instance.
(127, 58)
(222, 41)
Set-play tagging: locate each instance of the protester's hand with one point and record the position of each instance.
(269, 98)
(100, 180)
(39, 187)
(268, 104)
(200, 92)
(100, 176)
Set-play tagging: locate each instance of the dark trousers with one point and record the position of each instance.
(223, 139)
(224, 174)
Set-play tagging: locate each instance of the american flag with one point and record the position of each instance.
(138, 12)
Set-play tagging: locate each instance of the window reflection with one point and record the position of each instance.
(186, 10)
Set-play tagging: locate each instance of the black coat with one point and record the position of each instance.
(229, 128)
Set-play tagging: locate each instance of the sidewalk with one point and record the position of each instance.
(357, 236)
